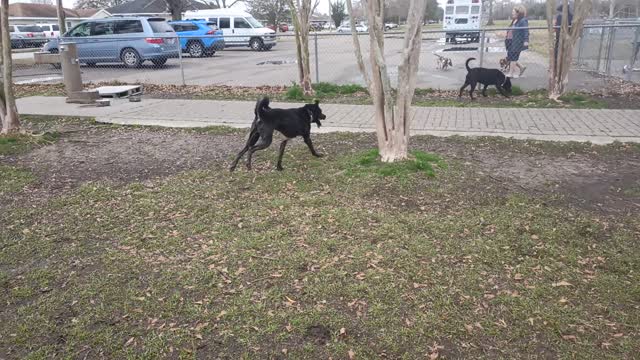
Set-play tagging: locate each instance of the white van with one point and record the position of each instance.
(50, 30)
(239, 28)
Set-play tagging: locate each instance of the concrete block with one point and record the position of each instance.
(83, 97)
(46, 58)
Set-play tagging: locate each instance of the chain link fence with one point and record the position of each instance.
(608, 50)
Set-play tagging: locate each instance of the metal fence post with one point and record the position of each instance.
(580, 47)
(612, 36)
(602, 30)
(317, 61)
(482, 41)
(633, 58)
(184, 83)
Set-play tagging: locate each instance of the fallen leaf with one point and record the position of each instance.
(289, 327)
(563, 301)
(352, 354)
(290, 300)
(562, 283)
(285, 351)
(618, 335)
(518, 276)
(569, 337)
(129, 342)
(469, 328)
(605, 345)
(343, 331)
(198, 336)
(222, 313)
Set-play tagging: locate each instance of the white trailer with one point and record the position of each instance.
(462, 20)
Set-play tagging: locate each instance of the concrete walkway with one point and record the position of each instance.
(597, 126)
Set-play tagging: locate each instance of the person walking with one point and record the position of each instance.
(517, 40)
(557, 24)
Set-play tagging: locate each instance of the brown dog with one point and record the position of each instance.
(505, 65)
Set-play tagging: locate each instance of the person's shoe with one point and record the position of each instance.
(522, 70)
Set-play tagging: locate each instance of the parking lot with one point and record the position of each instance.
(336, 60)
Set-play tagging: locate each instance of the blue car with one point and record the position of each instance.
(198, 37)
(127, 40)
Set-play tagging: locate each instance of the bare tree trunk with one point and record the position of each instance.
(61, 17)
(560, 59)
(300, 14)
(490, 21)
(8, 109)
(612, 8)
(356, 43)
(392, 112)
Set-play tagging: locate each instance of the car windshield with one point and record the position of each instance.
(32, 28)
(160, 26)
(255, 23)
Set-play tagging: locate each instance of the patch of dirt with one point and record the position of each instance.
(118, 155)
(601, 179)
(594, 178)
(318, 334)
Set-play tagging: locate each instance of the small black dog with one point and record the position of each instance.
(290, 122)
(486, 77)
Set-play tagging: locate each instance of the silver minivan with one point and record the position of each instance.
(127, 40)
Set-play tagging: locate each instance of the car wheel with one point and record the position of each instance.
(159, 62)
(195, 49)
(256, 44)
(268, 47)
(130, 58)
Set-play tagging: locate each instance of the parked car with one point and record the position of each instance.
(282, 27)
(50, 30)
(390, 26)
(27, 35)
(129, 40)
(17, 41)
(315, 27)
(347, 28)
(240, 29)
(198, 37)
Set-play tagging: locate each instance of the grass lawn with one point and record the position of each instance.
(619, 95)
(136, 243)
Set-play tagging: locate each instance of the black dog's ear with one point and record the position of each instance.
(316, 101)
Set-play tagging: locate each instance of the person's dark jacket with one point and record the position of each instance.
(559, 18)
(520, 35)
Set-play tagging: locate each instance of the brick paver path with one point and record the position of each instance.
(598, 126)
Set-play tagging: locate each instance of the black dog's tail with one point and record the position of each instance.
(466, 64)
